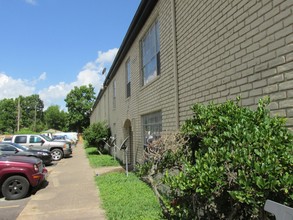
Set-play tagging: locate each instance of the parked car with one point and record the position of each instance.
(62, 138)
(40, 142)
(18, 174)
(70, 135)
(19, 150)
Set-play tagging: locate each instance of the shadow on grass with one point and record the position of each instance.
(96, 151)
(98, 159)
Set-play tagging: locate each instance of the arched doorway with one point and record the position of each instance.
(128, 133)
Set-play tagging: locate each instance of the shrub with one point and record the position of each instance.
(236, 160)
(96, 133)
(159, 156)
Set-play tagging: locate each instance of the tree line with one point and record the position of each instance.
(28, 113)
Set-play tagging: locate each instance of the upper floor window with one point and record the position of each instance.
(128, 79)
(151, 53)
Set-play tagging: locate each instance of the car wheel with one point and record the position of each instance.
(15, 187)
(57, 154)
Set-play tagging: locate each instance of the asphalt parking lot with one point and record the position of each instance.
(70, 194)
(10, 209)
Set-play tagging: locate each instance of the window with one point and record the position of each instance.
(7, 148)
(35, 139)
(128, 78)
(152, 126)
(114, 94)
(20, 139)
(151, 54)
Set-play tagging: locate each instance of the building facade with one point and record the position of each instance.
(178, 53)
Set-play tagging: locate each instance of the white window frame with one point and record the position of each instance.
(150, 53)
(152, 126)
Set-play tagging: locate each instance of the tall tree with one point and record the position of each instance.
(8, 115)
(79, 102)
(31, 111)
(55, 118)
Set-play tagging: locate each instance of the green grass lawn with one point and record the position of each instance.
(100, 160)
(123, 197)
(127, 198)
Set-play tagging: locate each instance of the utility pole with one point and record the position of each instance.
(35, 119)
(18, 113)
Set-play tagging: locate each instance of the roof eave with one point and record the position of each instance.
(144, 10)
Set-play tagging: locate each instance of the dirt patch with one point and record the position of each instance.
(103, 170)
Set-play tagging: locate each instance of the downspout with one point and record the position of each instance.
(108, 112)
(175, 66)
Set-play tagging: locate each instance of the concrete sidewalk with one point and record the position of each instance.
(71, 192)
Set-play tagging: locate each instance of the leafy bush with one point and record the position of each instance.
(96, 133)
(236, 160)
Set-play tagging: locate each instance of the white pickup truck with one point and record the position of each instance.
(59, 149)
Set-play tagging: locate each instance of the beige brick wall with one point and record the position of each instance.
(235, 48)
(225, 49)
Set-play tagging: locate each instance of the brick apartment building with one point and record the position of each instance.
(177, 53)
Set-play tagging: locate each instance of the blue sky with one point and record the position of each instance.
(49, 46)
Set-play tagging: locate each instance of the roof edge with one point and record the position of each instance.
(144, 10)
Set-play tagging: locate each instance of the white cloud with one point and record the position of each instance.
(106, 57)
(31, 2)
(12, 88)
(89, 74)
(55, 94)
(43, 76)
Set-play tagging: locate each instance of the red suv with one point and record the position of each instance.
(18, 174)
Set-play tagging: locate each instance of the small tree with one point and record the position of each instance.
(96, 134)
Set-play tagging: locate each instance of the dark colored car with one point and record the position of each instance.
(18, 174)
(19, 150)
